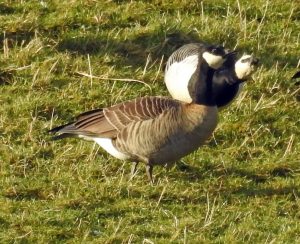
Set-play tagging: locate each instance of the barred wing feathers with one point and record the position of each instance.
(108, 122)
(184, 52)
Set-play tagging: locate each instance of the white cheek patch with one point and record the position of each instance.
(243, 70)
(214, 61)
(178, 76)
(106, 144)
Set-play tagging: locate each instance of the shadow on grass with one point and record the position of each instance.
(83, 45)
(5, 9)
(269, 57)
(247, 191)
(6, 77)
(4, 223)
(26, 194)
(135, 51)
(150, 234)
(16, 38)
(254, 186)
(64, 235)
(195, 174)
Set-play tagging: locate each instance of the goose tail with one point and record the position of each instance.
(63, 131)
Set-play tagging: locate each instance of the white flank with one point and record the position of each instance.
(106, 144)
(214, 61)
(178, 76)
(243, 70)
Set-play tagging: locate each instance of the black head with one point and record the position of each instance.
(216, 50)
(214, 87)
(226, 81)
(215, 56)
(225, 87)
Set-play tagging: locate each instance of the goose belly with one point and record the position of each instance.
(160, 141)
(181, 145)
(107, 145)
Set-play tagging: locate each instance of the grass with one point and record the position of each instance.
(242, 187)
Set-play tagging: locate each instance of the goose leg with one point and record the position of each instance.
(149, 169)
(133, 168)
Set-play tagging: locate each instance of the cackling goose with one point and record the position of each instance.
(183, 70)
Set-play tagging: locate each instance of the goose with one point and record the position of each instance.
(154, 130)
(230, 70)
(183, 70)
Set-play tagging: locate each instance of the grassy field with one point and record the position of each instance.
(242, 187)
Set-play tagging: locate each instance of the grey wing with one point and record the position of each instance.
(184, 52)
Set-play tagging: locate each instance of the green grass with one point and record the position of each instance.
(242, 187)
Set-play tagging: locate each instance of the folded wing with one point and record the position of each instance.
(108, 122)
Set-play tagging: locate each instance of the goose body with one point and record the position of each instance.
(153, 130)
(185, 72)
(183, 68)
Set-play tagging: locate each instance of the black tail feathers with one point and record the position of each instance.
(61, 132)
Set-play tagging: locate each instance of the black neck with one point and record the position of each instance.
(214, 88)
(200, 85)
(226, 86)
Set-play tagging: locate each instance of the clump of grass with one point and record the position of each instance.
(241, 187)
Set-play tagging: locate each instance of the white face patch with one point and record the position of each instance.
(106, 144)
(177, 78)
(214, 61)
(244, 69)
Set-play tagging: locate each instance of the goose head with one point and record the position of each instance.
(228, 81)
(215, 56)
(245, 66)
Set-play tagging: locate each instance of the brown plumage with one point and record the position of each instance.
(154, 130)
